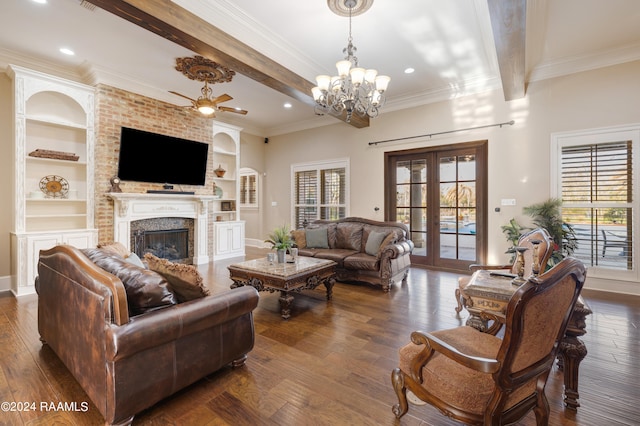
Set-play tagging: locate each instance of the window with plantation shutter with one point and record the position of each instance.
(596, 180)
(319, 191)
(248, 188)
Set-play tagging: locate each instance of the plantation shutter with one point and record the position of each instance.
(597, 196)
(319, 191)
(306, 185)
(332, 191)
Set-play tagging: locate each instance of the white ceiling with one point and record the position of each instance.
(449, 43)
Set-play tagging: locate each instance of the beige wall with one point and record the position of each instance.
(252, 149)
(518, 155)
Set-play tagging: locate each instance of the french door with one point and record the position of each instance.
(440, 194)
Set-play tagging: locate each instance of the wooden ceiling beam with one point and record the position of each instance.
(508, 22)
(165, 18)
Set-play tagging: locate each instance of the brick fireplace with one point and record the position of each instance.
(116, 108)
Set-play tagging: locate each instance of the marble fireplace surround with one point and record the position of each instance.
(129, 207)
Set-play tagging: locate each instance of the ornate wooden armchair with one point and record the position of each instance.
(480, 379)
(545, 249)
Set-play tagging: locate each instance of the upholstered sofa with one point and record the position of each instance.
(124, 362)
(364, 250)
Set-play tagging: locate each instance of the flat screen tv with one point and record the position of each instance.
(155, 158)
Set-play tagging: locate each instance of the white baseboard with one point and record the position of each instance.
(252, 242)
(5, 283)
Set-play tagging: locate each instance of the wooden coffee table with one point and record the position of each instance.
(305, 274)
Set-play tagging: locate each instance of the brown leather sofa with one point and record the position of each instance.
(350, 243)
(127, 364)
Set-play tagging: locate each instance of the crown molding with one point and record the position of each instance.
(68, 72)
(575, 64)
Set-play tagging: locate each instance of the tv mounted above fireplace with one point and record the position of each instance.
(154, 158)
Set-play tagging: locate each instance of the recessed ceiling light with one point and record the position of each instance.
(409, 70)
(67, 51)
(287, 105)
(40, 1)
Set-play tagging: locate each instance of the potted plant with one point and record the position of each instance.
(513, 231)
(280, 239)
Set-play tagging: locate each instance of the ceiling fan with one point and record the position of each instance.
(208, 105)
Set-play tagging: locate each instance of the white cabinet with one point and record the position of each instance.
(228, 228)
(53, 169)
(229, 239)
(25, 250)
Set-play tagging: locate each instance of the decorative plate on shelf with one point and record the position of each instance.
(54, 186)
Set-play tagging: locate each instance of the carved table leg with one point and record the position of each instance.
(572, 352)
(476, 322)
(328, 283)
(286, 299)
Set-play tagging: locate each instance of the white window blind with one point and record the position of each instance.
(319, 191)
(596, 178)
(597, 195)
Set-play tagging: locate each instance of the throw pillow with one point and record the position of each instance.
(299, 237)
(184, 280)
(373, 242)
(115, 247)
(317, 238)
(146, 290)
(135, 260)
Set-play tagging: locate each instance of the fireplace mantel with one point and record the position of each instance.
(129, 207)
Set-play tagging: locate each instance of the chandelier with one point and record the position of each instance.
(354, 89)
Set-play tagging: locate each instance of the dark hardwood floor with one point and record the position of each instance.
(329, 364)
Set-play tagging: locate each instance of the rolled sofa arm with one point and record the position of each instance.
(395, 250)
(168, 324)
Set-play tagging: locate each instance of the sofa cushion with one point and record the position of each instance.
(185, 280)
(337, 255)
(374, 240)
(299, 237)
(362, 261)
(349, 236)
(317, 238)
(146, 290)
(308, 252)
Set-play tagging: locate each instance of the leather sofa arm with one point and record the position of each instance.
(166, 325)
(395, 250)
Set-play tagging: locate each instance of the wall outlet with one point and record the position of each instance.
(508, 202)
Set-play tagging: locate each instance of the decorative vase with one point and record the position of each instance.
(217, 191)
(282, 254)
(220, 171)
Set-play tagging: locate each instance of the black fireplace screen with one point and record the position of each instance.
(171, 244)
